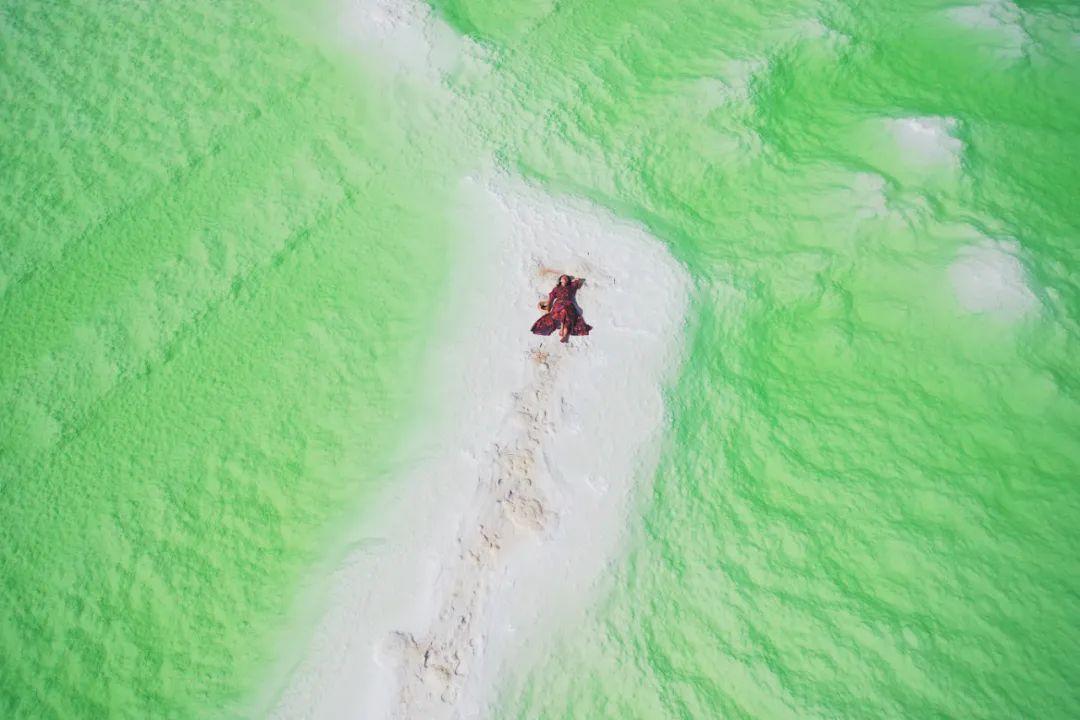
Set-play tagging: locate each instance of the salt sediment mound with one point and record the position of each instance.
(515, 494)
(927, 140)
(989, 278)
(868, 191)
(1001, 17)
(521, 489)
(405, 35)
(731, 84)
(411, 44)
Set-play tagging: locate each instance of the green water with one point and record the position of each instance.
(217, 260)
(221, 238)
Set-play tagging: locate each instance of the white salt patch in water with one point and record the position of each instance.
(516, 495)
(729, 89)
(1002, 18)
(847, 197)
(520, 492)
(811, 28)
(927, 140)
(814, 29)
(988, 277)
(712, 93)
(409, 40)
(731, 83)
(868, 191)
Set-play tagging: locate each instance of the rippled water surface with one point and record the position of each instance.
(216, 262)
(222, 233)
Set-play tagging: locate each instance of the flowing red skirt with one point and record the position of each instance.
(550, 322)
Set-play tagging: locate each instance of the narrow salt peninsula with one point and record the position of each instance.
(517, 488)
(522, 482)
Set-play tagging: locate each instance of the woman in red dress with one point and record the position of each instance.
(562, 311)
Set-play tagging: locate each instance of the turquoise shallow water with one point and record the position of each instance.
(223, 236)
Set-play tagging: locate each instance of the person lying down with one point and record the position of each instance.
(561, 311)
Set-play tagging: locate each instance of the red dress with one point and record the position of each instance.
(562, 309)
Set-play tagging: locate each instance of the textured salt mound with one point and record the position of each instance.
(522, 491)
(406, 37)
(989, 278)
(927, 140)
(515, 495)
(868, 191)
(1003, 18)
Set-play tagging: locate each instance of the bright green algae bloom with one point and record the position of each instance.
(221, 244)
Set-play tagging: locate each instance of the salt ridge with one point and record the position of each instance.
(516, 492)
(522, 497)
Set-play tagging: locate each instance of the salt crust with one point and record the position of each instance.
(515, 493)
(988, 277)
(520, 489)
(927, 140)
(1003, 19)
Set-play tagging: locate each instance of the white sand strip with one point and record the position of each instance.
(520, 490)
